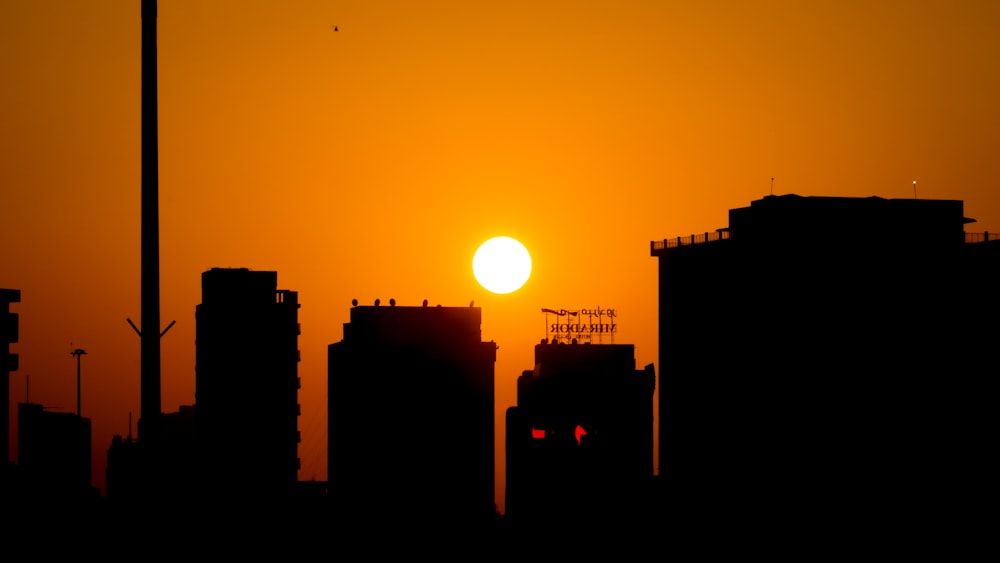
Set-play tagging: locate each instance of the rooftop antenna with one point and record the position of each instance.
(772, 185)
(78, 352)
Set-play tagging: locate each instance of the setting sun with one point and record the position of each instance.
(501, 265)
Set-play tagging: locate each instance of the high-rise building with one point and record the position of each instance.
(411, 418)
(246, 385)
(580, 439)
(828, 348)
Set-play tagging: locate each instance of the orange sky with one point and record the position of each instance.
(371, 162)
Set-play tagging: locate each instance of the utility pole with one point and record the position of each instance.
(78, 352)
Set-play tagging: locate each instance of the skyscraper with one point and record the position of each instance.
(411, 431)
(246, 386)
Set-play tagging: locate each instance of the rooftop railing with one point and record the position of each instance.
(970, 238)
(688, 240)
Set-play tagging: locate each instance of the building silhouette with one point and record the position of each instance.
(8, 363)
(826, 351)
(580, 440)
(246, 385)
(411, 419)
(54, 454)
(124, 472)
(177, 465)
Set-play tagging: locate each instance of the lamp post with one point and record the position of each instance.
(78, 352)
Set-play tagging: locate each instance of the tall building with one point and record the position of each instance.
(580, 439)
(411, 418)
(246, 384)
(827, 349)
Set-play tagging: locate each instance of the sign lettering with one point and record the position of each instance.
(581, 325)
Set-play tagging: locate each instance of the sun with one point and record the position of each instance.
(501, 265)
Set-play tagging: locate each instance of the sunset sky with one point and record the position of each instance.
(370, 162)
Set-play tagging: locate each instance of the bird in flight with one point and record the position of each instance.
(335, 28)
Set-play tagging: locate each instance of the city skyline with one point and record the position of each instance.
(372, 162)
(889, 415)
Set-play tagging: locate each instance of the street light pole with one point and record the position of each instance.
(78, 352)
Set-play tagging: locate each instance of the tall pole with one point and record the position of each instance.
(78, 352)
(149, 411)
